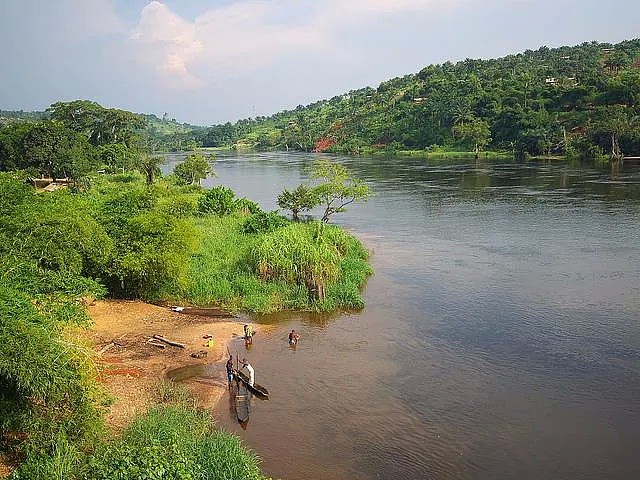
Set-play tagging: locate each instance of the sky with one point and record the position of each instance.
(212, 61)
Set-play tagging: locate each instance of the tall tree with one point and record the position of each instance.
(195, 168)
(476, 132)
(338, 188)
(149, 166)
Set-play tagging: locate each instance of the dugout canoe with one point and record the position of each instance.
(241, 401)
(258, 390)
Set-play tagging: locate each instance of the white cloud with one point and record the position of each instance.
(168, 44)
(249, 34)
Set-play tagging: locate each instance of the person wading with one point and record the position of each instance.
(230, 370)
(294, 337)
(252, 375)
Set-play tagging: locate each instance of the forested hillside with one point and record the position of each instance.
(581, 101)
(160, 134)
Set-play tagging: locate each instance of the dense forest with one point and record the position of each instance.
(578, 101)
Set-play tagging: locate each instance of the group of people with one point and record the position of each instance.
(245, 364)
(248, 338)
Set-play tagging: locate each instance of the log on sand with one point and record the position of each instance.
(169, 342)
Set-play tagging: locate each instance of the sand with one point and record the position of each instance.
(130, 368)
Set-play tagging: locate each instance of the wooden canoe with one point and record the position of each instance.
(241, 401)
(258, 390)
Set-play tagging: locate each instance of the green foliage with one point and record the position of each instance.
(152, 235)
(149, 166)
(313, 255)
(99, 125)
(47, 387)
(337, 188)
(194, 169)
(301, 199)
(225, 270)
(263, 222)
(533, 103)
(221, 200)
(47, 148)
(246, 206)
(173, 443)
(218, 200)
(117, 157)
(474, 131)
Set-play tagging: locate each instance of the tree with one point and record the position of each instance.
(149, 165)
(56, 151)
(301, 199)
(116, 156)
(612, 122)
(476, 132)
(195, 168)
(100, 125)
(338, 188)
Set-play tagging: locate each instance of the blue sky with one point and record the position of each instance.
(210, 61)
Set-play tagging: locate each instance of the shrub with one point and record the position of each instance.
(173, 443)
(263, 222)
(246, 206)
(218, 200)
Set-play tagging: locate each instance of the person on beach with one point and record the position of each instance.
(249, 368)
(248, 334)
(230, 370)
(294, 337)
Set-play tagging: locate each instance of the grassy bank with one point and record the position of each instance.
(446, 155)
(226, 268)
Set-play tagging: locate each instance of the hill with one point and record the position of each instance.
(579, 100)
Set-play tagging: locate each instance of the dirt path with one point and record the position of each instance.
(130, 367)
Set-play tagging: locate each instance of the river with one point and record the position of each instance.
(500, 337)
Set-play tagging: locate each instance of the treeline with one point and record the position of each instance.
(579, 101)
(65, 132)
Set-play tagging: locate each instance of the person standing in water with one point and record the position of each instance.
(248, 334)
(294, 337)
(252, 375)
(230, 370)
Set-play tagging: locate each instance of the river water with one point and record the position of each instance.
(500, 337)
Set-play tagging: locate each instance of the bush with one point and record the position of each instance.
(173, 443)
(218, 200)
(246, 206)
(263, 222)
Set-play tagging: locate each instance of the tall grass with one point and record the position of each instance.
(170, 443)
(270, 271)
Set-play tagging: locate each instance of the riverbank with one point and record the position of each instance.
(130, 368)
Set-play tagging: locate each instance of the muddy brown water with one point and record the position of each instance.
(500, 337)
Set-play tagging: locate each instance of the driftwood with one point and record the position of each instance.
(169, 342)
(155, 343)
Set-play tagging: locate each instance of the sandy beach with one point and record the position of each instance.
(130, 367)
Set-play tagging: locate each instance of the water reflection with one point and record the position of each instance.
(500, 337)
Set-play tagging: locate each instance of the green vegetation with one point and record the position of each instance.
(278, 267)
(194, 169)
(336, 190)
(173, 440)
(541, 103)
(128, 236)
